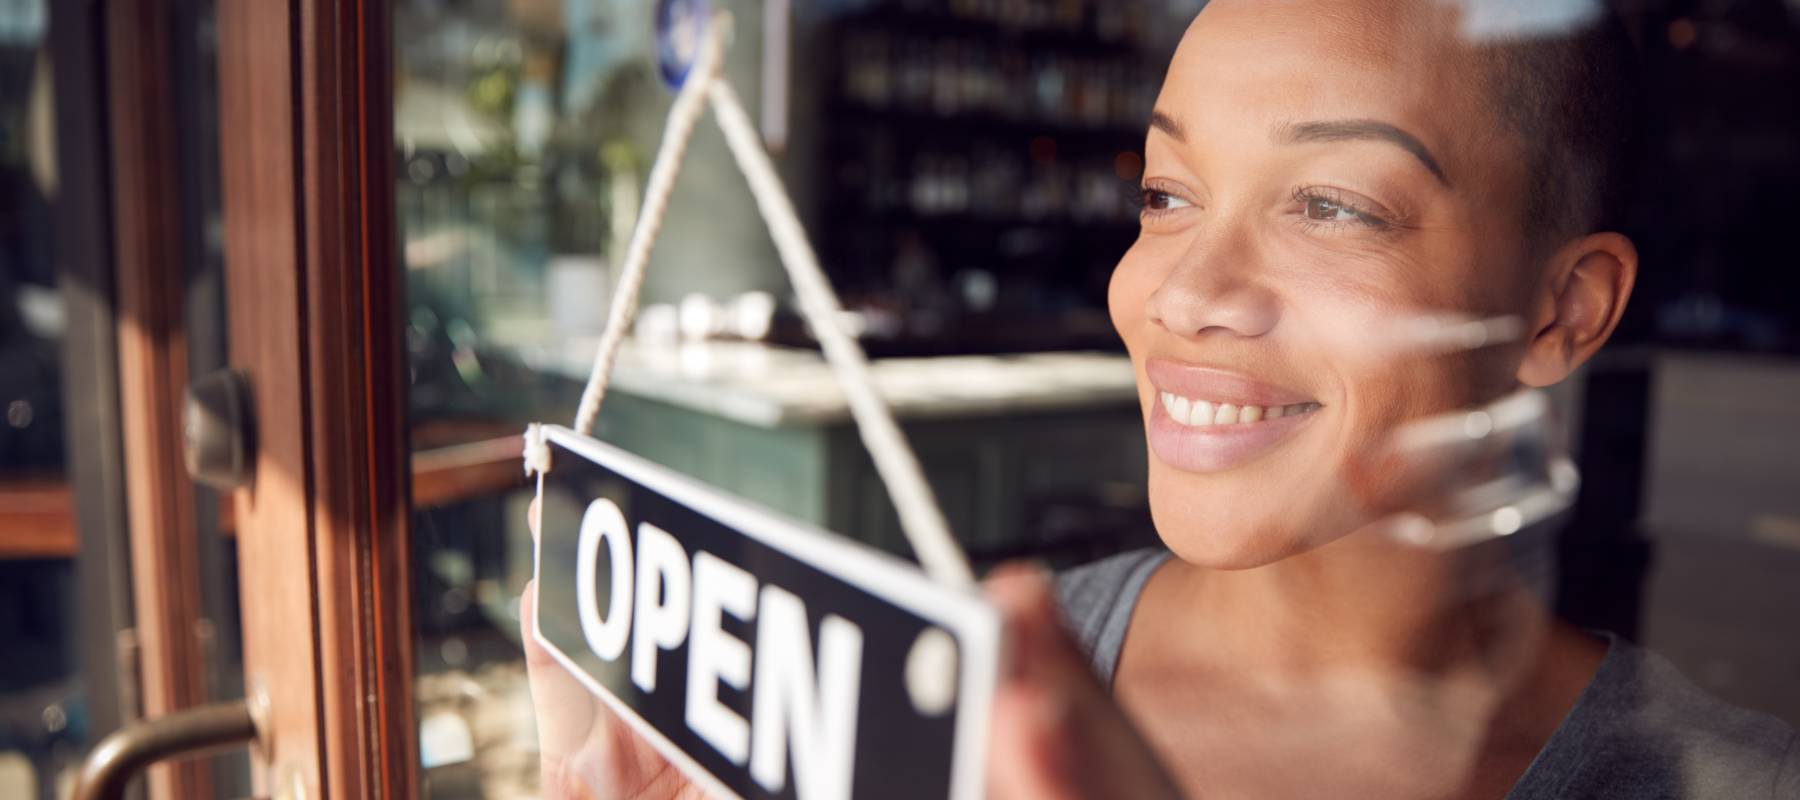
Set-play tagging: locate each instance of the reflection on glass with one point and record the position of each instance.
(961, 163)
(518, 176)
(42, 729)
(47, 719)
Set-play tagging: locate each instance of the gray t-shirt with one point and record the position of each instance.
(1639, 731)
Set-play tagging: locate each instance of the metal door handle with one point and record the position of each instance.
(219, 436)
(120, 757)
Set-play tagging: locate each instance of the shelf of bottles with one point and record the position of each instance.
(999, 138)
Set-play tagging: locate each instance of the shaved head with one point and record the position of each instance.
(1571, 98)
(1562, 90)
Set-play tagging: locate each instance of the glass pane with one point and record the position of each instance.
(48, 718)
(1433, 361)
(525, 132)
(41, 727)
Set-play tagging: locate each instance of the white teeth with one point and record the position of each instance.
(1203, 413)
(1227, 415)
(1176, 406)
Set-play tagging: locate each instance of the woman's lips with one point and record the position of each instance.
(1208, 420)
(1217, 385)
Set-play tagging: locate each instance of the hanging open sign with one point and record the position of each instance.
(762, 656)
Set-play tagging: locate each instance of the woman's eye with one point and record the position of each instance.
(1329, 211)
(1323, 210)
(1326, 210)
(1155, 200)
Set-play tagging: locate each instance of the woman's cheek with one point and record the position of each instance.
(1128, 291)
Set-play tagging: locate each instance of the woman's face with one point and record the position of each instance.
(1317, 173)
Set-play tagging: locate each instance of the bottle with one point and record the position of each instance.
(946, 82)
(1050, 88)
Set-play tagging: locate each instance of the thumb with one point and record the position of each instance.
(564, 709)
(1056, 731)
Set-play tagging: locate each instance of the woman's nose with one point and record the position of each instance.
(1214, 290)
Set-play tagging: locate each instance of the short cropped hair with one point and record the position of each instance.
(1574, 100)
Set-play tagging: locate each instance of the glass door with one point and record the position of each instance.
(523, 133)
(117, 570)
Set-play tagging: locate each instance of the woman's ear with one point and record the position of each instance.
(1587, 283)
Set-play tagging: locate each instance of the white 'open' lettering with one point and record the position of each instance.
(604, 521)
(818, 718)
(715, 656)
(663, 598)
(799, 707)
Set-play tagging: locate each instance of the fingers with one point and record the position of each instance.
(535, 654)
(1038, 648)
(534, 518)
(1030, 752)
(566, 712)
(1056, 732)
(1026, 756)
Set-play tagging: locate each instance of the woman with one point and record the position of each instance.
(1315, 172)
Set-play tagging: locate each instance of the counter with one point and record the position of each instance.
(1010, 444)
(771, 387)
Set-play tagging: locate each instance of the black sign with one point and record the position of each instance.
(762, 656)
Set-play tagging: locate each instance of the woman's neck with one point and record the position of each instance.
(1444, 671)
(1363, 603)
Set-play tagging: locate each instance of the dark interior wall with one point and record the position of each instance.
(1710, 217)
(1715, 207)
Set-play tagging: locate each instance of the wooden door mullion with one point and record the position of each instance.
(357, 360)
(314, 298)
(152, 352)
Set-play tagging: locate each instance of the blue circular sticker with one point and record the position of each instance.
(680, 28)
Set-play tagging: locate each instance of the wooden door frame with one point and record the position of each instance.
(150, 284)
(315, 305)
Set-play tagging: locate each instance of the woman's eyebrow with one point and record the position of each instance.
(1350, 129)
(1169, 125)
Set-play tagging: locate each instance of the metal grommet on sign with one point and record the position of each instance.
(931, 672)
(680, 30)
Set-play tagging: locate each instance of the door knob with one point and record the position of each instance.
(217, 431)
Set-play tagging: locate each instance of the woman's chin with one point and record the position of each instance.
(1206, 541)
(1249, 518)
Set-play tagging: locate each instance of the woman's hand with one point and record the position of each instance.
(586, 751)
(1056, 733)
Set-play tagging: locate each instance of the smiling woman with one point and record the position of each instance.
(1317, 177)
(1371, 236)
(1303, 194)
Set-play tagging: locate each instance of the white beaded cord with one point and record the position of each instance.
(683, 116)
(920, 517)
(921, 520)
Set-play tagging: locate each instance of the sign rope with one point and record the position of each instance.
(921, 519)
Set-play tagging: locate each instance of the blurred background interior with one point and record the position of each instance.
(965, 169)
